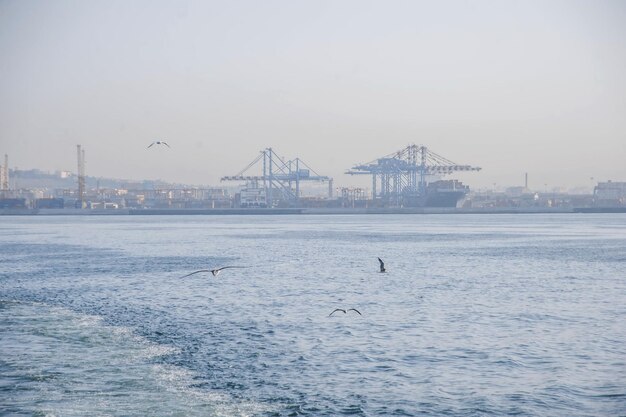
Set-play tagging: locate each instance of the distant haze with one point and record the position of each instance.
(512, 87)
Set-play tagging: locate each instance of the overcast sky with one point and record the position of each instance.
(512, 87)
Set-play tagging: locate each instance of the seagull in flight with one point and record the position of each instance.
(158, 142)
(215, 272)
(344, 311)
(382, 265)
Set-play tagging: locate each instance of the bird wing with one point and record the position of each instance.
(149, 146)
(165, 143)
(382, 264)
(196, 272)
(337, 309)
(354, 309)
(226, 267)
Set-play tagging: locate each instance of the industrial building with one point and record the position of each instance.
(609, 194)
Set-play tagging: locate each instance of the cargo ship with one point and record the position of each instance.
(442, 193)
(445, 193)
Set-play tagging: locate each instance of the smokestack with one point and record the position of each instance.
(81, 176)
(526, 181)
(5, 173)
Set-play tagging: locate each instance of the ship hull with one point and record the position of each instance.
(443, 199)
(438, 194)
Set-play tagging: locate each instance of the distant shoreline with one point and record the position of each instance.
(303, 211)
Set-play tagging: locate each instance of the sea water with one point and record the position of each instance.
(477, 315)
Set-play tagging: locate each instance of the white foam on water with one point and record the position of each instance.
(67, 364)
(179, 381)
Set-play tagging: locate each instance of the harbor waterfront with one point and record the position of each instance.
(314, 211)
(322, 208)
(476, 315)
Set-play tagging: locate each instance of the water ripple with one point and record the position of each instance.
(477, 316)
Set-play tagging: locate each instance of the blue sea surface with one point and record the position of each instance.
(477, 315)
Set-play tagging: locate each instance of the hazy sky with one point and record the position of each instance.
(512, 87)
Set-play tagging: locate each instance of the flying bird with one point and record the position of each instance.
(382, 265)
(158, 142)
(215, 272)
(344, 311)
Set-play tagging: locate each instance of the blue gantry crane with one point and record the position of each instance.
(401, 178)
(279, 179)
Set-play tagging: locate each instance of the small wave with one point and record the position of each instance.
(80, 347)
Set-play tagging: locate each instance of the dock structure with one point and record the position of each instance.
(279, 181)
(402, 177)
